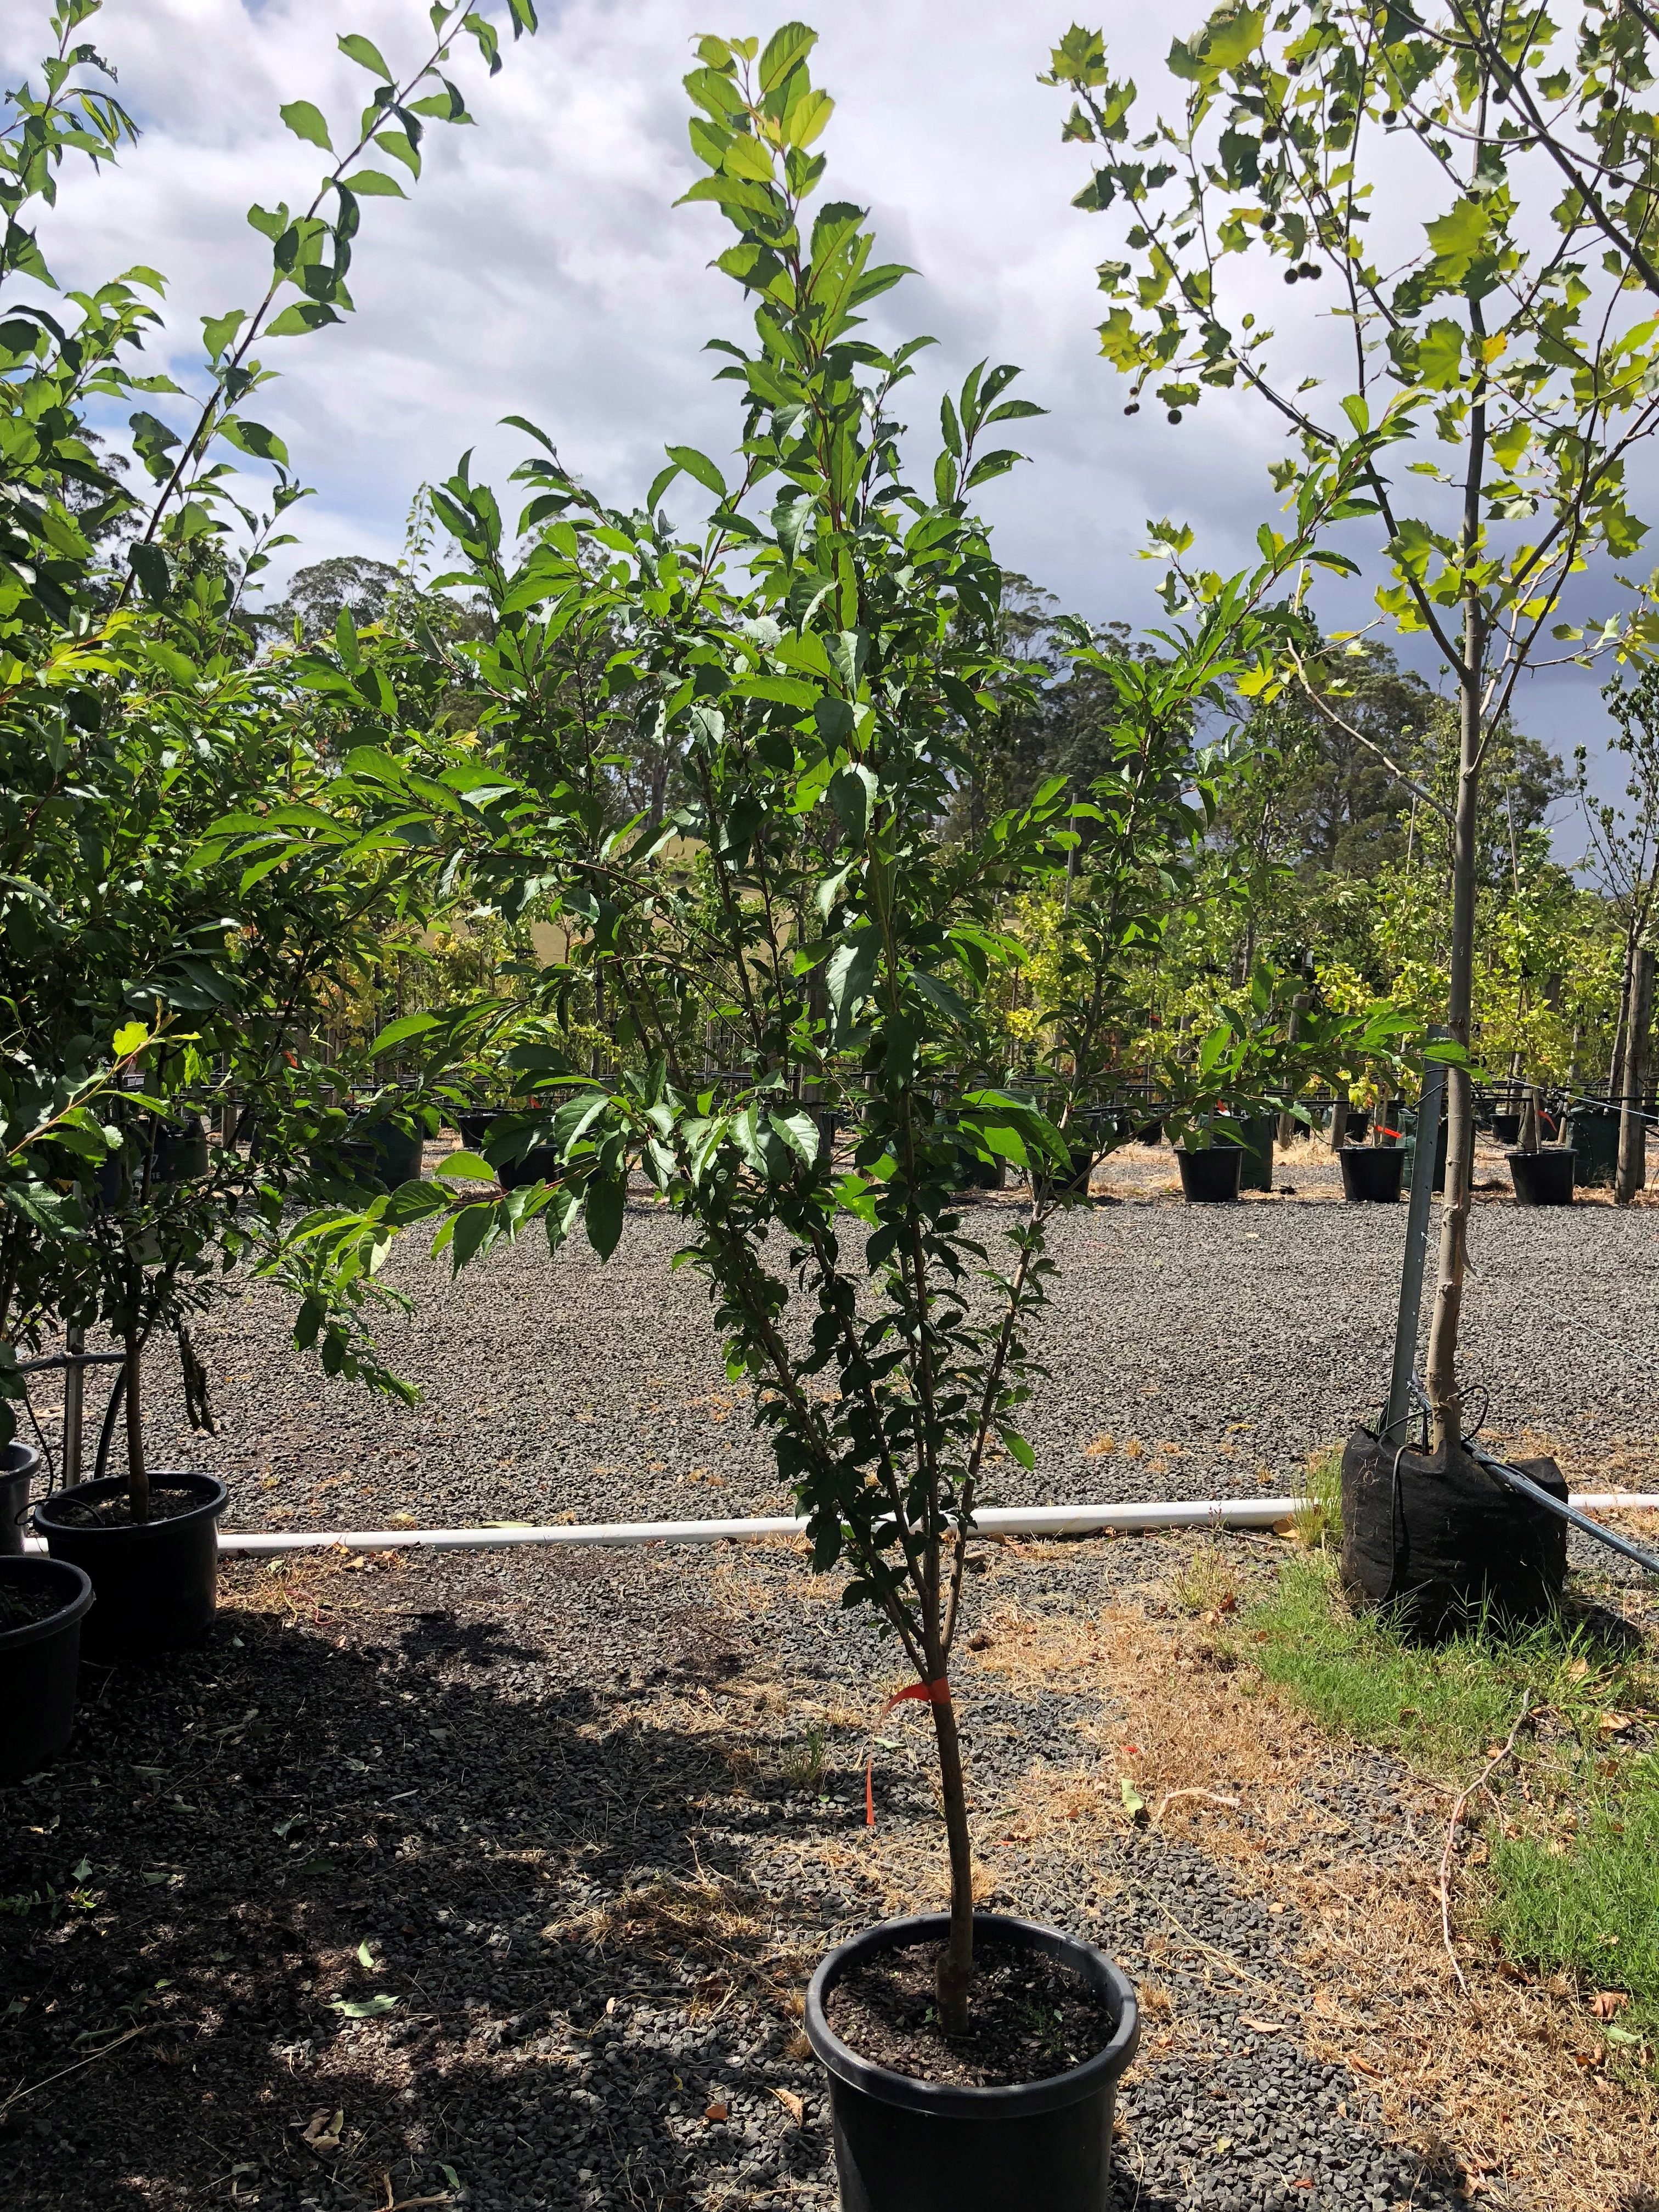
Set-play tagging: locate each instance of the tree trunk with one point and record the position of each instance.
(955, 1964)
(1633, 1125)
(137, 1473)
(1444, 1397)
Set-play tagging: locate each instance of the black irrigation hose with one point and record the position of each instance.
(1528, 1488)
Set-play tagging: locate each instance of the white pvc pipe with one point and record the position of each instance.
(994, 1521)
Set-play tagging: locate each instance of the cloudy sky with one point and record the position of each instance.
(541, 268)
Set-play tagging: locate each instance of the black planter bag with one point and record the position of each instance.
(1441, 1544)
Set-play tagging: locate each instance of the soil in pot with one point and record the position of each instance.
(1029, 2019)
(977, 2141)
(157, 1580)
(42, 1605)
(1544, 1177)
(18, 1463)
(1444, 1544)
(1371, 1173)
(1209, 1178)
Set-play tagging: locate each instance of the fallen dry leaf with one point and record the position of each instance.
(323, 2130)
(715, 2111)
(1608, 2004)
(1263, 2027)
(794, 2105)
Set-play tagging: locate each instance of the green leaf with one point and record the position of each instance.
(365, 53)
(602, 1212)
(306, 122)
(398, 1032)
(301, 316)
(363, 2008)
(785, 50)
(1017, 1445)
(698, 465)
(401, 148)
(253, 437)
(374, 184)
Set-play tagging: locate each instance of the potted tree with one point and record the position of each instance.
(1274, 106)
(1543, 1174)
(821, 691)
(135, 719)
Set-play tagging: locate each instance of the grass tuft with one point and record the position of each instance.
(1588, 1905)
(1569, 1885)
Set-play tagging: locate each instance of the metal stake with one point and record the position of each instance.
(1399, 1412)
(75, 1377)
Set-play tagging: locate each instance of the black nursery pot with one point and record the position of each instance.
(903, 2145)
(1210, 1178)
(17, 1465)
(157, 1581)
(1544, 1177)
(1371, 1173)
(1445, 1544)
(38, 1664)
(1505, 1129)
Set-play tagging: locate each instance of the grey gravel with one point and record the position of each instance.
(444, 1757)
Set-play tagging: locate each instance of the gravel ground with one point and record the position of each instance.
(591, 1818)
(1195, 1352)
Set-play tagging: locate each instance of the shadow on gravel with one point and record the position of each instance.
(347, 1923)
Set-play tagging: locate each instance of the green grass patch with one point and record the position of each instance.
(1587, 1904)
(1572, 1886)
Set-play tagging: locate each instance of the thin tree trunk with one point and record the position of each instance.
(137, 1473)
(1633, 1125)
(955, 1964)
(1444, 1397)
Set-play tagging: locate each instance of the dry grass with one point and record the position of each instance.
(1510, 2084)
(725, 1934)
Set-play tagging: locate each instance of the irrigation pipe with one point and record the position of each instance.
(995, 1521)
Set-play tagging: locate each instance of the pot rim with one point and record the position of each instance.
(27, 1464)
(941, 2100)
(1515, 1152)
(213, 1496)
(29, 1567)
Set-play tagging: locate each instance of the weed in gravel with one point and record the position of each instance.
(1205, 1583)
(803, 1763)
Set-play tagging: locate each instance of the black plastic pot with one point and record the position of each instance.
(903, 2145)
(1210, 1178)
(1359, 1124)
(1074, 1185)
(1505, 1129)
(1544, 1177)
(182, 1151)
(1256, 1167)
(1371, 1173)
(976, 1174)
(17, 1465)
(539, 1165)
(389, 1155)
(1593, 1132)
(1150, 1132)
(472, 1123)
(1441, 1143)
(157, 1581)
(38, 1664)
(1440, 1545)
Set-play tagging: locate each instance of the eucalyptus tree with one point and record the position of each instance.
(1478, 340)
